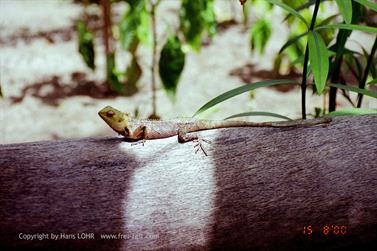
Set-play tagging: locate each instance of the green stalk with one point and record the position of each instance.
(154, 6)
(306, 59)
(341, 40)
(366, 72)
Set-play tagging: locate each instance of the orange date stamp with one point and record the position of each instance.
(325, 230)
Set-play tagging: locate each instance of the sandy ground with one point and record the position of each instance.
(44, 100)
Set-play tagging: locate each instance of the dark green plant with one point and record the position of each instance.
(86, 44)
(318, 60)
(172, 61)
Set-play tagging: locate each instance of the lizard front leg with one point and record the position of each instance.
(137, 134)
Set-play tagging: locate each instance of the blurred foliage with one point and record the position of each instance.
(197, 16)
(113, 76)
(260, 34)
(135, 26)
(86, 44)
(172, 61)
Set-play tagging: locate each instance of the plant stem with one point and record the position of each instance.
(303, 83)
(306, 59)
(154, 57)
(106, 32)
(366, 72)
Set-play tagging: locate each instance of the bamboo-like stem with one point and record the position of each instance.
(306, 59)
(154, 56)
(106, 31)
(366, 72)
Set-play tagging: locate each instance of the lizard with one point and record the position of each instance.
(140, 130)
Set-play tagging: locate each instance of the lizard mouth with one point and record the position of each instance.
(126, 132)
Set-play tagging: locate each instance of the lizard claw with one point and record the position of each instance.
(138, 142)
(199, 145)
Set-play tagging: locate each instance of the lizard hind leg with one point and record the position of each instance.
(184, 137)
(142, 142)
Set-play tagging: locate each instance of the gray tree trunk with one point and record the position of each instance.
(259, 189)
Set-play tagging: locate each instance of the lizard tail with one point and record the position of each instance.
(281, 124)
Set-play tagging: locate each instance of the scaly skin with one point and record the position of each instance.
(135, 129)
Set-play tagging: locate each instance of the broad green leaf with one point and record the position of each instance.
(348, 27)
(368, 4)
(86, 44)
(128, 30)
(319, 60)
(292, 41)
(290, 10)
(195, 17)
(355, 89)
(351, 112)
(260, 34)
(134, 26)
(373, 82)
(172, 61)
(240, 90)
(268, 114)
(345, 8)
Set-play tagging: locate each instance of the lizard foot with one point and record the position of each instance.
(184, 137)
(199, 145)
(138, 142)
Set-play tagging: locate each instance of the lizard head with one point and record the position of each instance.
(117, 120)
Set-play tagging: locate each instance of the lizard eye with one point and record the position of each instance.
(109, 114)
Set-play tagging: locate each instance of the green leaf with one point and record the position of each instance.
(351, 112)
(1, 92)
(292, 41)
(195, 17)
(86, 44)
(319, 60)
(290, 10)
(368, 4)
(210, 17)
(143, 30)
(172, 61)
(345, 8)
(112, 77)
(135, 25)
(240, 90)
(299, 60)
(260, 33)
(301, 7)
(373, 82)
(127, 29)
(133, 74)
(355, 89)
(348, 27)
(269, 114)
